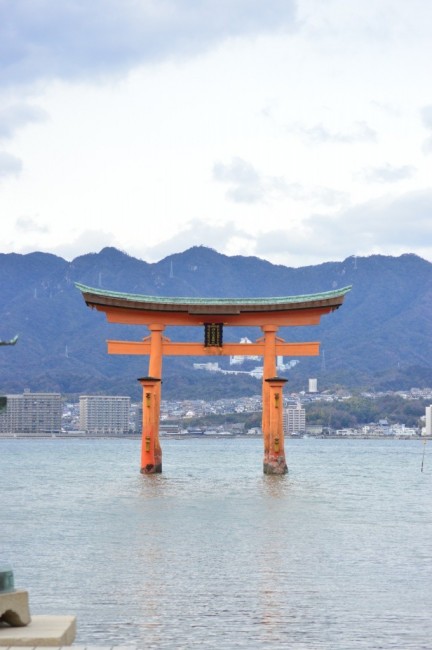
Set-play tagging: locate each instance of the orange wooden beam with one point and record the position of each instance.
(293, 317)
(309, 349)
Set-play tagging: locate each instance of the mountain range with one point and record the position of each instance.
(379, 339)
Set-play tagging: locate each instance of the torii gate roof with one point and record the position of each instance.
(104, 300)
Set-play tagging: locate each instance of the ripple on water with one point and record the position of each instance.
(335, 555)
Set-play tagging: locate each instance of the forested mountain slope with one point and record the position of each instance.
(381, 336)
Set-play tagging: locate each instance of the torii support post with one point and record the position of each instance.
(151, 452)
(269, 370)
(274, 455)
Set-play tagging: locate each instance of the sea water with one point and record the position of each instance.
(213, 554)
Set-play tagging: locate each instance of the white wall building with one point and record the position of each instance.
(210, 366)
(104, 414)
(239, 359)
(294, 419)
(428, 422)
(32, 414)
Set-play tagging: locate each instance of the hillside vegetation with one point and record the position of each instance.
(380, 337)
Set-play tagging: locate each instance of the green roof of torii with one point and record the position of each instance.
(94, 297)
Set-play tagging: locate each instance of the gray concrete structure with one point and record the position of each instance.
(104, 414)
(32, 414)
(14, 608)
(42, 631)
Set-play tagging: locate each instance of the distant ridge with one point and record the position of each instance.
(380, 338)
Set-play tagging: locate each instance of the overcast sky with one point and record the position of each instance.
(299, 131)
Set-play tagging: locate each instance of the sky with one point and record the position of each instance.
(297, 131)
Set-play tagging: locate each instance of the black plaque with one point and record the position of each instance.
(213, 335)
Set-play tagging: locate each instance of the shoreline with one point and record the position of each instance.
(186, 436)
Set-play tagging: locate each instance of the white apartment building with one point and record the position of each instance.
(240, 359)
(32, 414)
(104, 414)
(428, 421)
(294, 420)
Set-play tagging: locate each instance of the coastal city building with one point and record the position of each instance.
(239, 360)
(428, 421)
(210, 366)
(28, 414)
(295, 419)
(32, 414)
(104, 414)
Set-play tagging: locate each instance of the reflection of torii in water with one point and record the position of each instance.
(11, 342)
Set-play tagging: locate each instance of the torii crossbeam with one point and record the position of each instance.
(213, 314)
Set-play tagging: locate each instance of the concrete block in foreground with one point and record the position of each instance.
(42, 631)
(14, 608)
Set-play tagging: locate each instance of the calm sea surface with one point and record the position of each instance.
(212, 554)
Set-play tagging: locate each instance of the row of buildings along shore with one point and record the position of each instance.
(49, 414)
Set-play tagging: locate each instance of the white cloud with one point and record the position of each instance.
(426, 113)
(145, 96)
(359, 132)
(248, 185)
(388, 173)
(427, 145)
(391, 225)
(16, 116)
(82, 39)
(90, 241)
(198, 232)
(28, 224)
(9, 165)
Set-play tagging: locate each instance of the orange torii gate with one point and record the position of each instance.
(213, 313)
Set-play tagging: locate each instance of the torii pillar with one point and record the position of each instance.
(151, 450)
(274, 448)
(272, 412)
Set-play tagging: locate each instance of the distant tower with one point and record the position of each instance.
(313, 385)
(100, 279)
(171, 270)
(323, 362)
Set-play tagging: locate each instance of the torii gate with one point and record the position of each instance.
(213, 313)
